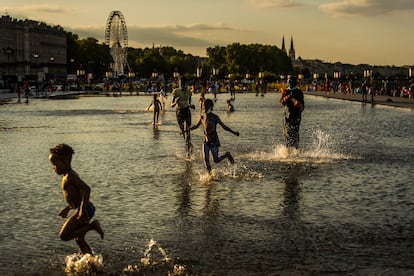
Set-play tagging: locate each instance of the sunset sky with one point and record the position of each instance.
(376, 32)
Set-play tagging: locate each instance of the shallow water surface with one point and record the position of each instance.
(343, 206)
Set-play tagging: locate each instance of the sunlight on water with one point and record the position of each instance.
(156, 262)
(342, 205)
(84, 264)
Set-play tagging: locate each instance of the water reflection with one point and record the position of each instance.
(156, 132)
(211, 202)
(291, 194)
(184, 189)
(345, 203)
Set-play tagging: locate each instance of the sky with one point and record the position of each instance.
(375, 32)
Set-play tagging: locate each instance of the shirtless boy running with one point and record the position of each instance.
(76, 193)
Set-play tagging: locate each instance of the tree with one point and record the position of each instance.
(241, 59)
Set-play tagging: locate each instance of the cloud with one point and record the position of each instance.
(275, 4)
(366, 7)
(35, 11)
(178, 36)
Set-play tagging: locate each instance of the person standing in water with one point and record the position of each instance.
(229, 106)
(76, 193)
(181, 99)
(293, 103)
(211, 142)
(157, 107)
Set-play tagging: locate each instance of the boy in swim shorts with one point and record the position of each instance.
(76, 194)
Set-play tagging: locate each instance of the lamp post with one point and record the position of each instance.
(215, 72)
(80, 73)
(130, 75)
(315, 78)
(71, 65)
(154, 76)
(262, 83)
(36, 56)
(300, 78)
(336, 76)
(261, 75)
(52, 59)
(8, 51)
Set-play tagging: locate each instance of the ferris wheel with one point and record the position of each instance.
(116, 36)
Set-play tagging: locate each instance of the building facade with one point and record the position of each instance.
(31, 50)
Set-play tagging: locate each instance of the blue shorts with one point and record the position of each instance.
(90, 209)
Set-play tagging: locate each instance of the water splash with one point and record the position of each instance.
(205, 177)
(149, 255)
(84, 263)
(156, 262)
(322, 150)
(234, 171)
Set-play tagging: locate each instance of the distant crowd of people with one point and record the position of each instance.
(369, 86)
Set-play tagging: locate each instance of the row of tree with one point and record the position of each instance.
(235, 59)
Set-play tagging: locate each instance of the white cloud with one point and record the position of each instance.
(366, 7)
(30, 11)
(274, 4)
(193, 35)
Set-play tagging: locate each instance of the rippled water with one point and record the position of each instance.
(343, 206)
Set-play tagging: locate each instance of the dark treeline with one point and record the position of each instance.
(235, 59)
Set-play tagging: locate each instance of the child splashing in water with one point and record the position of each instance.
(211, 142)
(76, 193)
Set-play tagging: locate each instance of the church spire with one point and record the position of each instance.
(283, 44)
(292, 50)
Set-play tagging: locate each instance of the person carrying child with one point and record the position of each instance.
(293, 102)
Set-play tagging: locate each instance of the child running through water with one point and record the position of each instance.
(211, 142)
(76, 193)
(157, 107)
